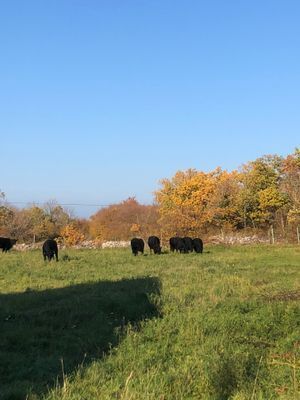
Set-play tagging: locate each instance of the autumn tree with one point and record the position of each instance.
(6, 220)
(224, 210)
(71, 235)
(12, 222)
(33, 223)
(6, 215)
(58, 216)
(183, 201)
(18, 225)
(122, 221)
(83, 226)
(260, 195)
(290, 184)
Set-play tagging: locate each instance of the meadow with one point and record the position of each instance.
(103, 324)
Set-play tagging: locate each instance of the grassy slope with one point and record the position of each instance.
(225, 324)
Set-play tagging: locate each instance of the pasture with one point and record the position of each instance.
(103, 324)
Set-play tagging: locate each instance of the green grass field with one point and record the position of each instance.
(102, 324)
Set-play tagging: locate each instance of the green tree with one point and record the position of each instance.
(260, 183)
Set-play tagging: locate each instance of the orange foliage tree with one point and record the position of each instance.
(124, 220)
(71, 235)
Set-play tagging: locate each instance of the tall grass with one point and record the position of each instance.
(106, 325)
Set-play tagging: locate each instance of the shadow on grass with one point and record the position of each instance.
(76, 324)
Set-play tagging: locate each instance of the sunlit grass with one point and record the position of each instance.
(221, 325)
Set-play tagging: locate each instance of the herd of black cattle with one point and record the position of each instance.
(183, 245)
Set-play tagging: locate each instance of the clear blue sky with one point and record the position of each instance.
(99, 100)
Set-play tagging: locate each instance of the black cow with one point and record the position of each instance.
(6, 244)
(198, 245)
(177, 244)
(50, 250)
(154, 244)
(188, 244)
(137, 245)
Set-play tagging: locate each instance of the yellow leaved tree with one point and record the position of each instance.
(183, 201)
(71, 235)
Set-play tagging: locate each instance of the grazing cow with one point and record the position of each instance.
(154, 244)
(188, 243)
(198, 245)
(6, 244)
(137, 245)
(177, 244)
(50, 250)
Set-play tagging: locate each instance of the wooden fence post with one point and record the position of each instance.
(272, 234)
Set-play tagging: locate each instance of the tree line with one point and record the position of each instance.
(261, 196)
